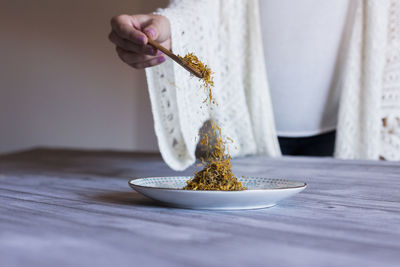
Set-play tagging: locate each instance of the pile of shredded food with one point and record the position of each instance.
(217, 171)
(207, 80)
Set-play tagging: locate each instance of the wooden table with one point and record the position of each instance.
(74, 208)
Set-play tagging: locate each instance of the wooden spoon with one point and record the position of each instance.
(175, 58)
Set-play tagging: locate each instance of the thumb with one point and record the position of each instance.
(158, 29)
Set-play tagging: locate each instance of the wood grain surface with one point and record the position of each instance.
(75, 208)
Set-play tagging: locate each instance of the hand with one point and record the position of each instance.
(129, 35)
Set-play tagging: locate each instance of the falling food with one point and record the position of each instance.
(217, 171)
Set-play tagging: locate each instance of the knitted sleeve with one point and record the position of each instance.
(359, 125)
(176, 98)
(390, 128)
(225, 35)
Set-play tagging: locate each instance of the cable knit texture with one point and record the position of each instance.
(226, 35)
(390, 128)
(369, 116)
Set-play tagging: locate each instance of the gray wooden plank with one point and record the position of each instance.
(58, 203)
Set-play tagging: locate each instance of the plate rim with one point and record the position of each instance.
(304, 185)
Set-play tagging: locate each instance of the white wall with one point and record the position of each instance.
(61, 83)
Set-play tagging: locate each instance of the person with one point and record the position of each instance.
(324, 78)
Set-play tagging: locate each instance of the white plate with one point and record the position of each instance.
(261, 193)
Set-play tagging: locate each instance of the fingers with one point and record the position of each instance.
(138, 60)
(128, 28)
(133, 28)
(149, 63)
(157, 28)
(130, 46)
(128, 35)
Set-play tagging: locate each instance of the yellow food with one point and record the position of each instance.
(207, 80)
(217, 171)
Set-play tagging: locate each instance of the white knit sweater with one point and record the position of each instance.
(226, 35)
